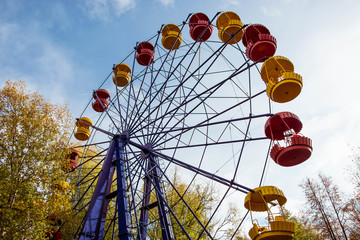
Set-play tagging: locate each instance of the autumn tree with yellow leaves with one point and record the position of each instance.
(34, 198)
(201, 199)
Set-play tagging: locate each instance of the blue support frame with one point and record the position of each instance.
(144, 213)
(94, 221)
(152, 177)
(165, 223)
(123, 211)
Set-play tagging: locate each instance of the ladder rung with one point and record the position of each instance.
(150, 206)
(111, 195)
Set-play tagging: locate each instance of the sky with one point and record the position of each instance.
(65, 49)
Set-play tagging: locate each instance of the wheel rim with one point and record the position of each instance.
(193, 108)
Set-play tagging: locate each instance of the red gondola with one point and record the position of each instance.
(200, 29)
(280, 123)
(73, 155)
(101, 103)
(298, 151)
(145, 53)
(259, 42)
(285, 126)
(70, 163)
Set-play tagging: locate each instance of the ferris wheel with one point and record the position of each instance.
(187, 108)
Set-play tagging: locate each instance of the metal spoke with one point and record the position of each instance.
(193, 110)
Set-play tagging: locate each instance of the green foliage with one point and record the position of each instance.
(201, 199)
(83, 181)
(33, 137)
(304, 230)
(198, 197)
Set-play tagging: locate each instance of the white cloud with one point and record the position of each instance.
(30, 55)
(233, 2)
(167, 2)
(122, 6)
(6, 30)
(271, 12)
(59, 17)
(229, 4)
(103, 9)
(97, 9)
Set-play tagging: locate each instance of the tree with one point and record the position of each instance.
(353, 207)
(336, 202)
(34, 135)
(326, 207)
(83, 179)
(304, 230)
(354, 170)
(335, 215)
(200, 199)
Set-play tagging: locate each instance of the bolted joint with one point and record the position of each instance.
(144, 152)
(124, 136)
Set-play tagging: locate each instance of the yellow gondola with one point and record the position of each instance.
(278, 228)
(229, 25)
(283, 85)
(171, 37)
(83, 129)
(122, 75)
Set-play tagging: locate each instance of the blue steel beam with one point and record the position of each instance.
(93, 225)
(144, 213)
(166, 228)
(123, 211)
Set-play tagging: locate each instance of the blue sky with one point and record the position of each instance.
(65, 49)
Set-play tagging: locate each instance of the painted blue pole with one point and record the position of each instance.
(123, 211)
(94, 222)
(144, 213)
(165, 223)
(152, 177)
